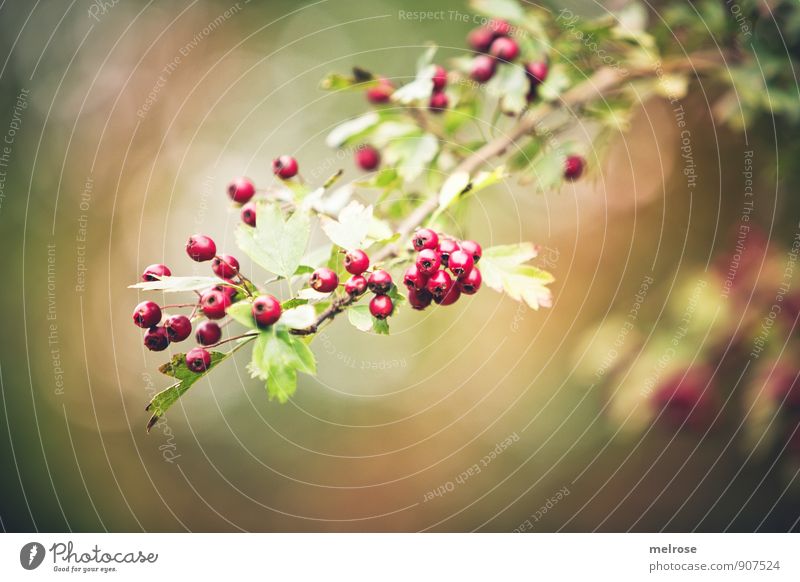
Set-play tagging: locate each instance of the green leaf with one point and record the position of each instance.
(299, 317)
(176, 368)
(350, 128)
(556, 82)
(277, 357)
(276, 244)
(511, 85)
(176, 284)
(292, 303)
(242, 312)
(506, 9)
(380, 326)
(412, 155)
(420, 89)
(352, 227)
(503, 270)
(360, 80)
(389, 131)
(386, 177)
(455, 184)
(547, 170)
(360, 317)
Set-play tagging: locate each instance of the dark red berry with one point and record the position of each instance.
(439, 283)
(249, 214)
(483, 68)
(379, 282)
(499, 27)
(208, 333)
(229, 291)
(241, 190)
(178, 327)
(684, 399)
(381, 306)
(447, 246)
(460, 263)
(537, 72)
(439, 79)
(504, 49)
(155, 272)
(355, 285)
(573, 167)
(414, 279)
(356, 262)
(266, 310)
(198, 360)
(480, 39)
(201, 248)
(438, 102)
(214, 303)
(425, 238)
(284, 167)
(428, 261)
(419, 299)
(380, 93)
(225, 266)
(324, 280)
(368, 158)
(450, 296)
(147, 314)
(156, 339)
(471, 282)
(473, 248)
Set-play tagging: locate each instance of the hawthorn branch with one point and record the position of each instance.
(339, 304)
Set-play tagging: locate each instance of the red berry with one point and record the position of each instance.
(537, 71)
(198, 360)
(214, 303)
(201, 248)
(439, 284)
(227, 290)
(379, 282)
(439, 79)
(450, 296)
(241, 190)
(480, 39)
(499, 27)
(147, 314)
(156, 339)
(208, 333)
(473, 248)
(504, 49)
(178, 327)
(356, 262)
(266, 310)
(573, 167)
(284, 167)
(324, 280)
(249, 214)
(414, 279)
(685, 398)
(460, 263)
(447, 246)
(428, 261)
(155, 272)
(355, 285)
(425, 238)
(471, 282)
(368, 158)
(380, 93)
(381, 306)
(483, 68)
(225, 266)
(419, 299)
(438, 102)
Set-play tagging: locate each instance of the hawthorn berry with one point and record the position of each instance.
(504, 49)
(438, 102)
(249, 214)
(156, 339)
(356, 262)
(266, 310)
(381, 306)
(379, 282)
(537, 72)
(225, 266)
(483, 68)
(227, 290)
(419, 298)
(428, 261)
(155, 272)
(355, 285)
(178, 327)
(147, 314)
(324, 280)
(471, 282)
(201, 248)
(450, 296)
(447, 246)
(284, 167)
(208, 333)
(499, 27)
(414, 279)
(439, 283)
(380, 93)
(473, 248)
(241, 190)
(480, 39)
(368, 158)
(214, 303)
(198, 360)
(460, 263)
(439, 79)
(425, 238)
(573, 167)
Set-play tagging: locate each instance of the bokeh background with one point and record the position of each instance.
(96, 188)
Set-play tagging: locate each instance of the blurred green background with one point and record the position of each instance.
(97, 188)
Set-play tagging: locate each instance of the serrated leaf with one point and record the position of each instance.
(380, 326)
(360, 317)
(177, 284)
(352, 226)
(506, 9)
(276, 244)
(547, 170)
(176, 368)
(511, 85)
(292, 303)
(503, 270)
(276, 358)
(412, 155)
(350, 128)
(298, 317)
(455, 184)
(242, 312)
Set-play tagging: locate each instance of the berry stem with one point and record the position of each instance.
(232, 339)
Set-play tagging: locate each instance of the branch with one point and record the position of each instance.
(339, 304)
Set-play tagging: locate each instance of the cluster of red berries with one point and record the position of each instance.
(444, 269)
(382, 92)
(241, 190)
